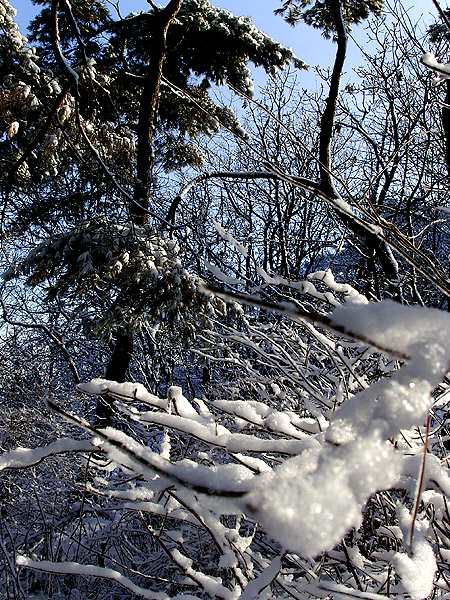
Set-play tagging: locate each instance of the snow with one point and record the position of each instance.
(74, 568)
(341, 592)
(443, 70)
(26, 457)
(255, 587)
(132, 391)
(211, 585)
(247, 410)
(417, 572)
(332, 484)
(306, 482)
(220, 275)
(13, 129)
(416, 569)
(396, 327)
(218, 435)
(227, 479)
(327, 277)
(421, 334)
(182, 406)
(227, 236)
(330, 476)
(433, 472)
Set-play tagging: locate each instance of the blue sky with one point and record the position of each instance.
(308, 44)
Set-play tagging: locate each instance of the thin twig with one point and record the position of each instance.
(421, 482)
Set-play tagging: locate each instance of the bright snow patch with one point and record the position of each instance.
(312, 500)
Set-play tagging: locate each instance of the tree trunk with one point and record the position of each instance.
(446, 124)
(385, 257)
(139, 206)
(116, 371)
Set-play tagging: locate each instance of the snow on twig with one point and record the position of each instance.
(74, 568)
(21, 458)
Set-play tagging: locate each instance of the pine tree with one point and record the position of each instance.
(133, 96)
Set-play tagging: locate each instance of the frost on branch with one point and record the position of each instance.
(331, 484)
(292, 446)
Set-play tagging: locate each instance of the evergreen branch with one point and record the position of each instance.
(39, 137)
(97, 156)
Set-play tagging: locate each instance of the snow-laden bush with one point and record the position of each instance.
(311, 480)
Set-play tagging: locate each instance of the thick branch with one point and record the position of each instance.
(446, 124)
(115, 371)
(382, 250)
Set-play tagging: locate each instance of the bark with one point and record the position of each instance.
(148, 115)
(328, 116)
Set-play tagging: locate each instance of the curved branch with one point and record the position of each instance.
(372, 233)
(21, 458)
(273, 173)
(75, 568)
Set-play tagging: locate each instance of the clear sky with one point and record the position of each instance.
(308, 44)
